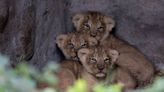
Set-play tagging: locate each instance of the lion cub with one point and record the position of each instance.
(99, 26)
(70, 43)
(96, 68)
(93, 23)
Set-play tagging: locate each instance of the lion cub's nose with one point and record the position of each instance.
(100, 66)
(93, 34)
(75, 58)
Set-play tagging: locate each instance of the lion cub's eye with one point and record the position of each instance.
(107, 60)
(70, 45)
(86, 26)
(84, 46)
(92, 61)
(100, 29)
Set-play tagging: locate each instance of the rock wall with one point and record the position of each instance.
(28, 27)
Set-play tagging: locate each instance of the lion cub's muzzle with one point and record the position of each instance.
(75, 58)
(93, 34)
(100, 73)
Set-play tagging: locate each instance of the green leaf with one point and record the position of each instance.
(49, 77)
(51, 66)
(23, 70)
(115, 88)
(79, 86)
(99, 88)
(49, 90)
(22, 85)
(2, 88)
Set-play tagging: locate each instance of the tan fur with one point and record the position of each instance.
(70, 43)
(68, 73)
(104, 59)
(95, 59)
(91, 71)
(93, 23)
(130, 58)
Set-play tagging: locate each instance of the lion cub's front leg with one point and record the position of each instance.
(67, 74)
(123, 77)
(66, 79)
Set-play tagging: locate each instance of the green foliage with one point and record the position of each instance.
(23, 78)
(157, 86)
(79, 86)
(49, 71)
(11, 81)
(112, 88)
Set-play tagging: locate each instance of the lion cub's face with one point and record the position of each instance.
(97, 61)
(70, 43)
(93, 23)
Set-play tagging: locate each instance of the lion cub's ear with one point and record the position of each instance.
(114, 55)
(92, 41)
(77, 19)
(110, 23)
(61, 39)
(83, 53)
